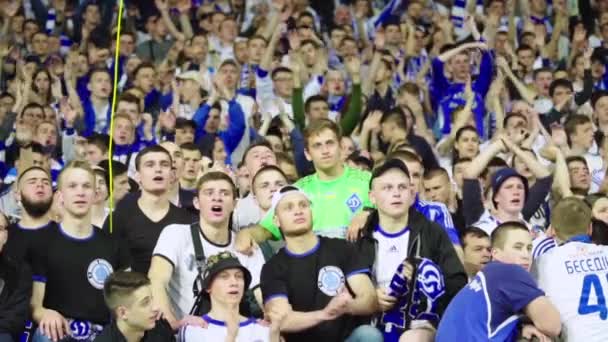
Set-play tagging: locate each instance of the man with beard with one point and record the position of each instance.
(31, 156)
(35, 194)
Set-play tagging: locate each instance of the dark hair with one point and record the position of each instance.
(358, 159)
(182, 123)
(396, 116)
(572, 159)
(228, 62)
(511, 115)
(148, 150)
(536, 72)
(130, 98)
(309, 42)
(463, 129)
(264, 169)
(310, 100)
(438, 171)
(30, 106)
(258, 37)
(599, 232)
(118, 169)
(34, 147)
(279, 70)
(473, 231)
(102, 141)
(524, 47)
(120, 285)
(143, 65)
(216, 176)
(562, 83)
(573, 122)
(189, 147)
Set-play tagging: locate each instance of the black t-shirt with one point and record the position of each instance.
(138, 233)
(24, 243)
(74, 271)
(310, 280)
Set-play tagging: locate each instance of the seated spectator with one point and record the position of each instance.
(16, 281)
(135, 318)
(333, 305)
(225, 283)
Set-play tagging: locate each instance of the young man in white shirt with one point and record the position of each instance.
(225, 283)
(175, 268)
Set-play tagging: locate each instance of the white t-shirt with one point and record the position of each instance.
(573, 276)
(595, 163)
(175, 245)
(390, 253)
(247, 212)
(249, 331)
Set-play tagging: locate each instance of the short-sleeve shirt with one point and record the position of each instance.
(310, 280)
(249, 331)
(74, 271)
(334, 203)
(175, 245)
(489, 307)
(136, 231)
(574, 277)
(24, 243)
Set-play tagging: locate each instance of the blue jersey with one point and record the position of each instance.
(438, 213)
(488, 308)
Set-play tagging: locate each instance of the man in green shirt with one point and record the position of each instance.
(337, 191)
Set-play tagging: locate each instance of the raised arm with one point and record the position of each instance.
(481, 161)
(526, 93)
(163, 8)
(349, 121)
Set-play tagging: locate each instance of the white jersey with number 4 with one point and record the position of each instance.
(575, 278)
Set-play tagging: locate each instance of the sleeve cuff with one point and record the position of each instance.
(261, 72)
(278, 295)
(39, 278)
(360, 271)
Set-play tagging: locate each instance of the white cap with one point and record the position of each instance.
(284, 191)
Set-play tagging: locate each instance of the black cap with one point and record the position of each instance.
(387, 166)
(222, 261)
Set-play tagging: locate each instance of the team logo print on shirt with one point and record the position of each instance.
(98, 271)
(431, 279)
(353, 202)
(331, 280)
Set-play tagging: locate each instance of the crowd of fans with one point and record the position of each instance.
(303, 170)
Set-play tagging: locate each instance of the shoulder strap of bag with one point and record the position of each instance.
(199, 255)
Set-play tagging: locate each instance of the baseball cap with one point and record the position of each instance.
(284, 191)
(192, 75)
(387, 166)
(502, 175)
(222, 261)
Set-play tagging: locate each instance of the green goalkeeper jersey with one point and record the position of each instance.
(333, 202)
